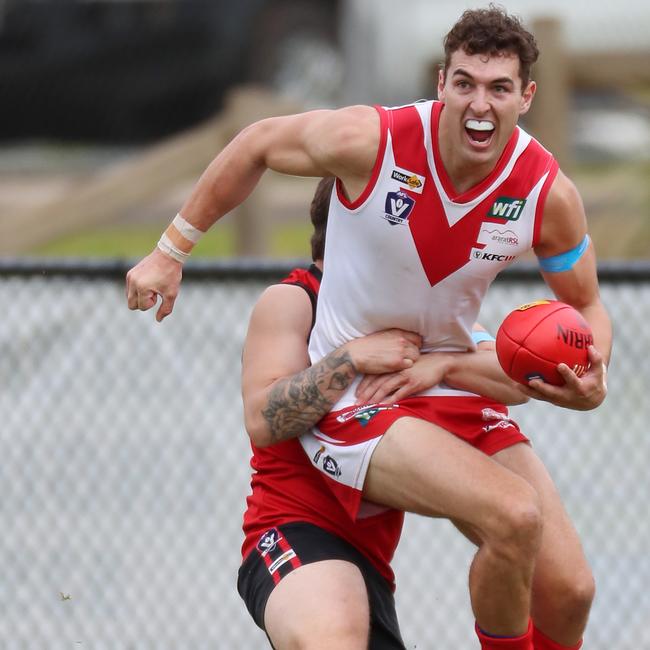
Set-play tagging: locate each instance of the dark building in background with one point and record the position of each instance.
(136, 70)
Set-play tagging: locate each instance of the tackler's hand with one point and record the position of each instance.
(427, 371)
(386, 351)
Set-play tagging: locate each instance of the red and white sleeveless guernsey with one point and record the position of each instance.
(411, 253)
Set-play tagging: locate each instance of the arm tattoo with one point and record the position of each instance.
(296, 403)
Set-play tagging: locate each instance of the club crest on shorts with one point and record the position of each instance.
(398, 207)
(327, 462)
(268, 541)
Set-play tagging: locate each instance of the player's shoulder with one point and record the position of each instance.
(355, 122)
(284, 294)
(283, 305)
(563, 194)
(564, 223)
(282, 312)
(355, 113)
(355, 119)
(347, 139)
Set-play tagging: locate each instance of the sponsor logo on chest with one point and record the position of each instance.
(410, 180)
(502, 237)
(487, 256)
(506, 207)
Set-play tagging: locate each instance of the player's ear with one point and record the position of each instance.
(527, 97)
(441, 84)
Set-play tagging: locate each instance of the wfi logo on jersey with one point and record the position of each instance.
(507, 208)
(398, 207)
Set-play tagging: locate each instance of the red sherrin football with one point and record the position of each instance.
(537, 336)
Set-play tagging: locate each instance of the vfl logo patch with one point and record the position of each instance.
(414, 182)
(398, 207)
(268, 541)
(507, 208)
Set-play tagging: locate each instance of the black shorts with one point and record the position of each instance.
(304, 543)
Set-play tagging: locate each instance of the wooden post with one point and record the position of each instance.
(129, 186)
(548, 118)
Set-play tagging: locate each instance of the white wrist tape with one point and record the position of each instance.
(166, 245)
(186, 229)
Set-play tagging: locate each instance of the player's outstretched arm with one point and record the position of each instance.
(283, 395)
(573, 281)
(340, 143)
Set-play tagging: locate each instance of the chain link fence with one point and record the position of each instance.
(124, 468)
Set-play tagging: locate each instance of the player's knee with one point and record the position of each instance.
(519, 524)
(580, 596)
(572, 596)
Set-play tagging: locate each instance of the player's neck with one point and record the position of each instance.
(464, 170)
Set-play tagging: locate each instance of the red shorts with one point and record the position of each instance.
(342, 445)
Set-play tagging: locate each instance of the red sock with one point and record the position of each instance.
(542, 642)
(524, 642)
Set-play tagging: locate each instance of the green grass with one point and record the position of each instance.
(131, 241)
(616, 196)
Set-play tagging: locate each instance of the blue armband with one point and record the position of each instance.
(564, 261)
(478, 336)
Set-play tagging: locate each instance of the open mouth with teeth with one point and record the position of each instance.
(479, 131)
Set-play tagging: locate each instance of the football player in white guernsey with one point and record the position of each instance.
(417, 188)
(345, 596)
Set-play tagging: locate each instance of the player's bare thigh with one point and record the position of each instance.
(322, 605)
(421, 468)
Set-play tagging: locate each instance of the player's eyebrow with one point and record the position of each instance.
(463, 73)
